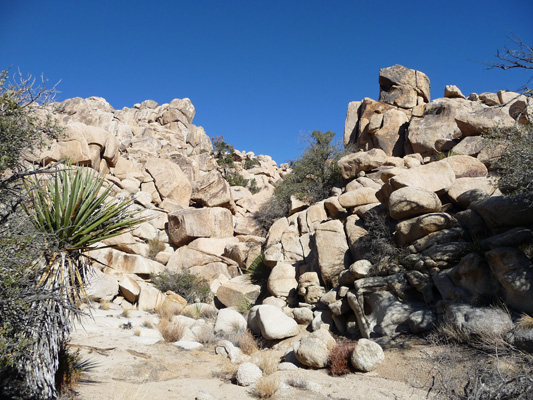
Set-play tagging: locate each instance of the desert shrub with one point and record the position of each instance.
(223, 152)
(171, 331)
(313, 176)
(251, 163)
(268, 362)
(339, 358)
(258, 271)
(267, 386)
(235, 179)
(168, 309)
(514, 165)
(155, 246)
(252, 186)
(191, 287)
(247, 343)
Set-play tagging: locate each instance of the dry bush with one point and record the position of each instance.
(267, 386)
(297, 381)
(268, 362)
(525, 322)
(227, 371)
(247, 343)
(339, 358)
(168, 309)
(205, 334)
(104, 305)
(148, 324)
(126, 313)
(171, 331)
(137, 332)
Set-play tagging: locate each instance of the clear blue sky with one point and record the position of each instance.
(259, 73)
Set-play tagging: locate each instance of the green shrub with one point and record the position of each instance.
(223, 152)
(155, 246)
(258, 271)
(235, 179)
(191, 287)
(251, 163)
(515, 164)
(313, 176)
(252, 186)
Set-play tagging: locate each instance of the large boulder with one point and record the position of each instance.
(391, 134)
(434, 177)
(211, 190)
(403, 87)
(513, 269)
(358, 197)
(238, 292)
(170, 180)
(354, 163)
(273, 323)
(186, 225)
(466, 167)
(367, 355)
(415, 228)
(500, 211)
(409, 202)
(313, 350)
(350, 125)
(282, 280)
(332, 250)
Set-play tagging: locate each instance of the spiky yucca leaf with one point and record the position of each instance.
(73, 206)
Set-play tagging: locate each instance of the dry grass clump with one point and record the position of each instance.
(148, 324)
(297, 381)
(247, 343)
(205, 334)
(268, 362)
(339, 358)
(267, 386)
(168, 309)
(126, 313)
(525, 322)
(105, 305)
(137, 332)
(171, 331)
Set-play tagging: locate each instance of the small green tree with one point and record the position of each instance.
(313, 176)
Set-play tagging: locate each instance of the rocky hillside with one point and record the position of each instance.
(417, 232)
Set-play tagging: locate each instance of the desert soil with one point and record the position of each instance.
(129, 362)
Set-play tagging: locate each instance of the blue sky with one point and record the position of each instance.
(260, 73)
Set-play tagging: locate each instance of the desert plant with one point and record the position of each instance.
(235, 179)
(339, 358)
(247, 343)
(267, 386)
(313, 176)
(171, 331)
(268, 362)
(251, 163)
(155, 246)
(168, 309)
(223, 152)
(252, 186)
(258, 271)
(186, 284)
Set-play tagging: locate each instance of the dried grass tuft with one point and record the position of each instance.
(268, 362)
(525, 322)
(267, 386)
(339, 358)
(247, 343)
(168, 309)
(171, 331)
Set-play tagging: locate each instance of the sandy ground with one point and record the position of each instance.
(134, 364)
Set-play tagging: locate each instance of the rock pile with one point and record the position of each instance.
(417, 228)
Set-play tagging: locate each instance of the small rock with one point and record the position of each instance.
(367, 355)
(248, 374)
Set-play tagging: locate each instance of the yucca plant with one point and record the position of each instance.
(76, 211)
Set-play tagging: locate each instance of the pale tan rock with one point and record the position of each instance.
(490, 99)
(402, 86)
(469, 146)
(185, 107)
(333, 207)
(452, 91)
(358, 197)
(276, 231)
(101, 286)
(466, 167)
(149, 297)
(315, 215)
(332, 250)
(129, 288)
(412, 201)
(282, 280)
(128, 263)
(350, 123)
(297, 205)
(186, 225)
(482, 121)
(432, 177)
(215, 246)
(390, 137)
(185, 258)
(170, 181)
(211, 190)
(415, 228)
(352, 164)
(124, 168)
(313, 350)
(243, 253)
(463, 185)
(238, 291)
